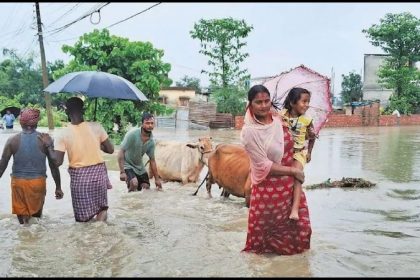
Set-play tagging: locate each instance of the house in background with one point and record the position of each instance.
(180, 96)
(372, 90)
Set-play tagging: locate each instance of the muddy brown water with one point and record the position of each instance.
(365, 232)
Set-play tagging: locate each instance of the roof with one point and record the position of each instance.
(377, 54)
(178, 88)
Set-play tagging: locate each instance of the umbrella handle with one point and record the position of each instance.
(94, 111)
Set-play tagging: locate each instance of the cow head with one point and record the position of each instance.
(204, 146)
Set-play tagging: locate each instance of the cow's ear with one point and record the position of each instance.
(193, 146)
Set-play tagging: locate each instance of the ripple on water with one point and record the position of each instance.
(393, 234)
(393, 215)
(409, 194)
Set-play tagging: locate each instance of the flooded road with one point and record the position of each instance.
(364, 232)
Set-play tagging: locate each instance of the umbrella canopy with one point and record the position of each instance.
(319, 86)
(13, 110)
(97, 84)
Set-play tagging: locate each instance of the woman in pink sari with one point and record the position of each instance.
(270, 147)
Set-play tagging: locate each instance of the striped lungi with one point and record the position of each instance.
(88, 187)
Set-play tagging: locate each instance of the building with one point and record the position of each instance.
(176, 96)
(372, 90)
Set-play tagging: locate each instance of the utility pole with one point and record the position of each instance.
(44, 68)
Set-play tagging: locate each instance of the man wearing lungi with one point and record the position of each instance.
(83, 142)
(29, 170)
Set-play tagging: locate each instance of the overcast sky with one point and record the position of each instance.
(321, 36)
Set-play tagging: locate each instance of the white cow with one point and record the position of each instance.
(182, 162)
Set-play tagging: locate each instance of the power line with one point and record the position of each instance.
(96, 8)
(63, 15)
(133, 15)
(63, 40)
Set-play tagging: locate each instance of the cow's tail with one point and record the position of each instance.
(201, 184)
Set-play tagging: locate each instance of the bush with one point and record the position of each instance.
(230, 100)
(58, 116)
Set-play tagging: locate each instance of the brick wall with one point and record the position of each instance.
(341, 120)
(388, 120)
(344, 120)
(239, 122)
(410, 120)
(369, 113)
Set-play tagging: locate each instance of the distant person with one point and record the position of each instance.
(28, 178)
(136, 143)
(269, 144)
(296, 104)
(8, 119)
(83, 142)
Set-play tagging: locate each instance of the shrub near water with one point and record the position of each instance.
(58, 116)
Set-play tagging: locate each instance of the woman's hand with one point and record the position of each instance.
(299, 175)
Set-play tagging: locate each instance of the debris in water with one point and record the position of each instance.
(343, 183)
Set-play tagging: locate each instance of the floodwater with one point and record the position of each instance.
(364, 232)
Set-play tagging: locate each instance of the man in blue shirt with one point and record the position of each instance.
(9, 118)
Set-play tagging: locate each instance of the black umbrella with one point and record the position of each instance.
(96, 84)
(13, 110)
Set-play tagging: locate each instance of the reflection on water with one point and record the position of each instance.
(364, 232)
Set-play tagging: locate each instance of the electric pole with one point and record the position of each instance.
(44, 68)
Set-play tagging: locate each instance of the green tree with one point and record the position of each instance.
(221, 40)
(190, 82)
(138, 62)
(20, 78)
(52, 67)
(351, 87)
(230, 100)
(399, 36)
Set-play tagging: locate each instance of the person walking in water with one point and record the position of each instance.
(136, 143)
(8, 119)
(269, 144)
(83, 142)
(28, 178)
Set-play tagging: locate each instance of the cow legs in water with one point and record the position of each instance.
(225, 193)
(209, 183)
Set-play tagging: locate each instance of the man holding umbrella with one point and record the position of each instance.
(83, 142)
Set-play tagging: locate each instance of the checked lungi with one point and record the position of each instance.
(88, 187)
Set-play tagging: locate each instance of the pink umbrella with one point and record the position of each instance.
(301, 76)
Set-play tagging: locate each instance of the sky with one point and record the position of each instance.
(326, 37)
